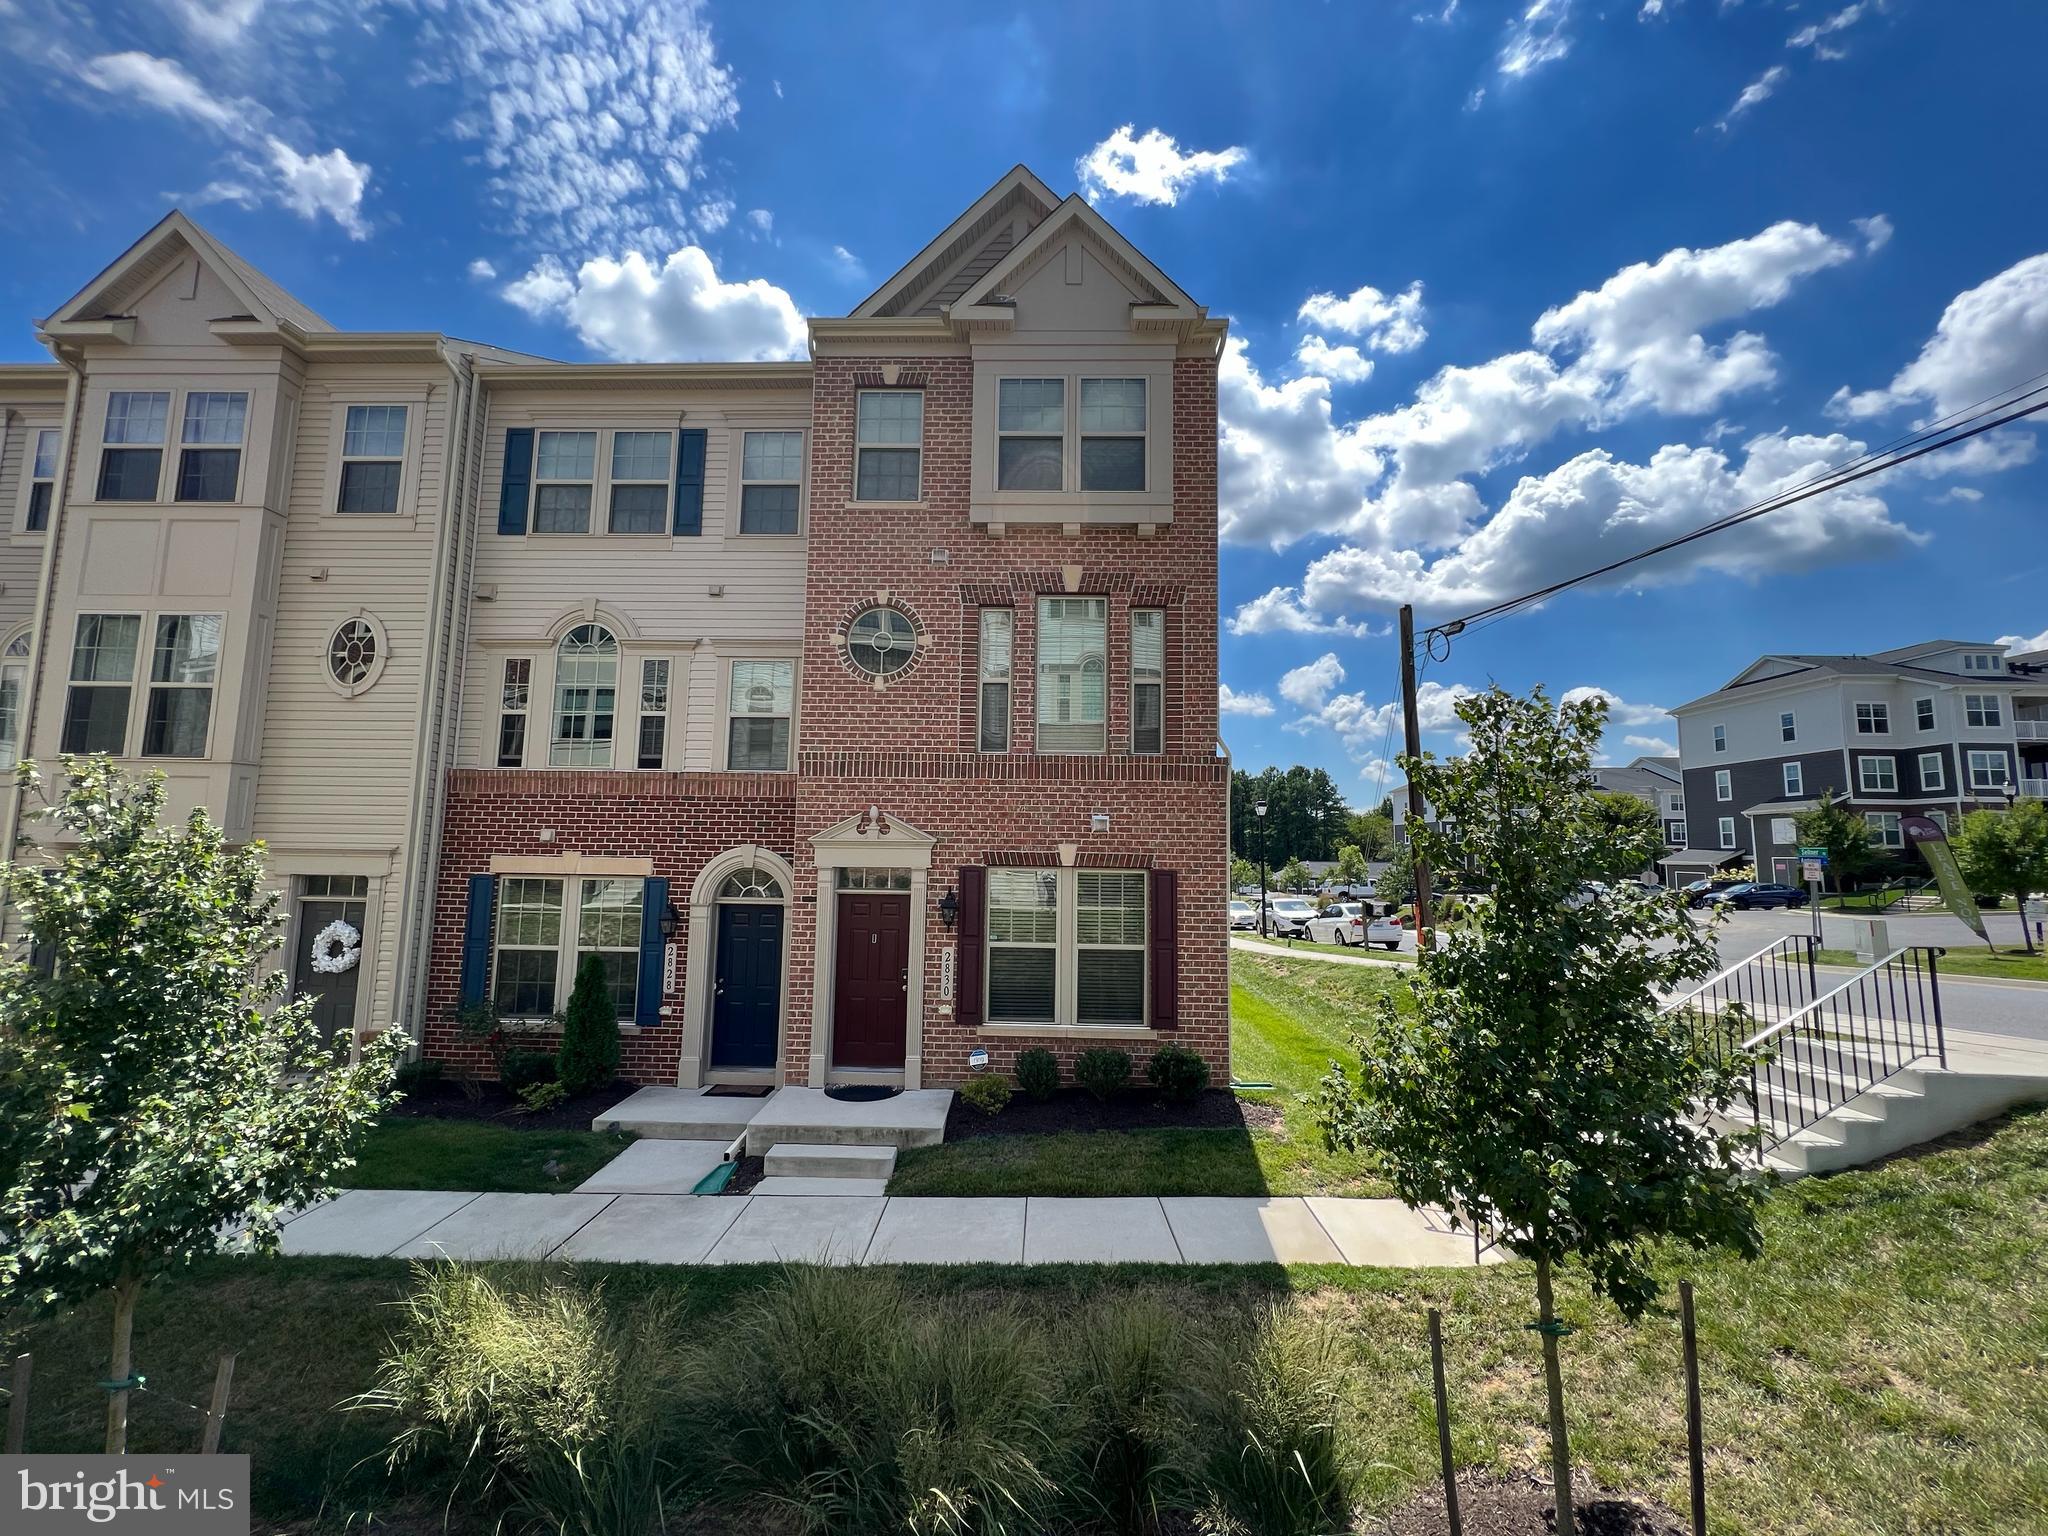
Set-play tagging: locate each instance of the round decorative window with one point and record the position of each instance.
(881, 641)
(356, 653)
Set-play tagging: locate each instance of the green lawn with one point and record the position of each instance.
(1288, 1019)
(1285, 946)
(403, 1152)
(1878, 1370)
(2004, 964)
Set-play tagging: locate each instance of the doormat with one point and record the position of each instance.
(736, 1091)
(861, 1093)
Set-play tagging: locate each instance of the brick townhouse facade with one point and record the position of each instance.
(859, 713)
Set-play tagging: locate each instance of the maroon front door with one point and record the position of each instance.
(872, 985)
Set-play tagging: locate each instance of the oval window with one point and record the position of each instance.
(881, 641)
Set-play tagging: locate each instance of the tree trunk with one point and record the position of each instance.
(1553, 1385)
(126, 1290)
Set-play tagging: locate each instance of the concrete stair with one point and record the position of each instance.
(830, 1160)
(680, 1114)
(807, 1117)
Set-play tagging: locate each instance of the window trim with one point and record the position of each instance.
(1788, 725)
(1880, 716)
(1066, 432)
(556, 741)
(1923, 704)
(1150, 507)
(1937, 783)
(727, 714)
(599, 454)
(1972, 761)
(1884, 829)
(1066, 947)
(737, 475)
(853, 491)
(1724, 785)
(574, 883)
(1726, 829)
(983, 681)
(162, 447)
(1864, 764)
(1793, 776)
(664, 525)
(1988, 710)
(1082, 435)
(240, 448)
(1993, 662)
(1039, 691)
(14, 657)
(1720, 738)
(135, 668)
(415, 403)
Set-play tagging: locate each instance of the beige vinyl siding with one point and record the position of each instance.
(658, 585)
(20, 557)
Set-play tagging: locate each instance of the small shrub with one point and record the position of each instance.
(1178, 1073)
(589, 1057)
(987, 1093)
(520, 1070)
(1104, 1073)
(1271, 1405)
(1038, 1073)
(1129, 1428)
(539, 1096)
(420, 1077)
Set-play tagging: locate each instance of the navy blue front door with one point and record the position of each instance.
(746, 997)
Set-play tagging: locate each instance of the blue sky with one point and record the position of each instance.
(1515, 288)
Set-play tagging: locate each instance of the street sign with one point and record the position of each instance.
(1813, 869)
(1816, 855)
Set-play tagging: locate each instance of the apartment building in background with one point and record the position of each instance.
(857, 713)
(1937, 729)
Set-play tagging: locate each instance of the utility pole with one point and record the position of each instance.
(1260, 811)
(1412, 728)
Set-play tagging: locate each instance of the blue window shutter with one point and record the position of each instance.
(690, 481)
(517, 481)
(476, 939)
(653, 903)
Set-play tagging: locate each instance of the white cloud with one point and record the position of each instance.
(216, 22)
(849, 264)
(1310, 685)
(1816, 35)
(1754, 94)
(629, 309)
(1651, 746)
(762, 220)
(1230, 702)
(482, 270)
(1387, 322)
(1536, 37)
(1990, 338)
(1151, 168)
(1342, 365)
(1619, 710)
(1876, 232)
(333, 184)
(2024, 643)
(714, 213)
(1285, 469)
(1367, 731)
(1279, 612)
(161, 83)
(1964, 493)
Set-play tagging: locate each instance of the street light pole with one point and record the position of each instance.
(1260, 810)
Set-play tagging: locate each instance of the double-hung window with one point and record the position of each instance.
(771, 481)
(1988, 770)
(183, 667)
(1023, 946)
(1877, 775)
(1031, 430)
(1727, 830)
(1112, 434)
(528, 964)
(564, 471)
(542, 940)
(888, 444)
(1724, 784)
(132, 444)
(1073, 647)
(762, 696)
(998, 627)
(102, 678)
(1923, 714)
(1932, 778)
(1873, 719)
(608, 926)
(1720, 738)
(42, 485)
(13, 687)
(1884, 829)
(1109, 954)
(515, 698)
(1674, 834)
(586, 698)
(640, 481)
(210, 447)
(1148, 680)
(372, 458)
(1983, 710)
(1795, 781)
(653, 711)
(1788, 726)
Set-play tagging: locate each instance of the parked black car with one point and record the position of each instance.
(1744, 897)
(1700, 892)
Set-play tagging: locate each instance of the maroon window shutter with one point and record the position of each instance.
(1165, 949)
(973, 933)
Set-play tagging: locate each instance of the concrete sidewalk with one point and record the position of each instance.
(876, 1229)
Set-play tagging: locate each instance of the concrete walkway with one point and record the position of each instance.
(1269, 947)
(876, 1229)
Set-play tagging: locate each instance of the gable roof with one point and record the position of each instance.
(166, 243)
(981, 230)
(1806, 667)
(1164, 296)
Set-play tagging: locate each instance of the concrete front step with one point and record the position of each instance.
(681, 1114)
(830, 1160)
(808, 1117)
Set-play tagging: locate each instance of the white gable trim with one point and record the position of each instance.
(1173, 304)
(915, 273)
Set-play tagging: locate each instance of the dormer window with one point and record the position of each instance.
(1983, 661)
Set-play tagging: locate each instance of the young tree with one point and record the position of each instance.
(1294, 877)
(1396, 883)
(1631, 822)
(1845, 835)
(1372, 832)
(156, 1089)
(1352, 869)
(1243, 874)
(590, 1032)
(1535, 1087)
(2005, 853)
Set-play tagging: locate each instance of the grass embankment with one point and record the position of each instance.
(1288, 1020)
(1289, 946)
(1879, 1369)
(403, 1152)
(2004, 965)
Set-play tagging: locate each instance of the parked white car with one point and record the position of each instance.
(1352, 922)
(1288, 915)
(1243, 915)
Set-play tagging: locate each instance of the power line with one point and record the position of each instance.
(2027, 399)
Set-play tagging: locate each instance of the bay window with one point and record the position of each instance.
(102, 677)
(1031, 426)
(210, 447)
(1112, 434)
(183, 667)
(1073, 646)
(132, 444)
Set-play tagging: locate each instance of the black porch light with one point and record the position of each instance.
(949, 908)
(671, 920)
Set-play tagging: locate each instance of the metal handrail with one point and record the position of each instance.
(1787, 943)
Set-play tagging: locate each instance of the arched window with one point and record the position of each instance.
(750, 885)
(13, 688)
(586, 697)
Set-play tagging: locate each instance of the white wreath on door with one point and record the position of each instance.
(330, 961)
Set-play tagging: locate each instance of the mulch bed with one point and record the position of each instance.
(746, 1173)
(1522, 1506)
(1074, 1109)
(493, 1103)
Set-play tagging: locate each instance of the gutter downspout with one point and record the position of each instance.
(60, 501)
